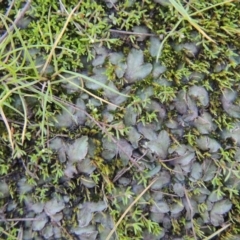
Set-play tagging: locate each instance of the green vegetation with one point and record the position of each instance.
(119, 119)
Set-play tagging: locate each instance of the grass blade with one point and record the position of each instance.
(187, 17)
(8, 128)
(128, 209)
(25, 116)
(59, 38)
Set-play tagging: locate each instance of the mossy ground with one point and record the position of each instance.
(34, 75)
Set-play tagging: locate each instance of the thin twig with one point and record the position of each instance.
(217, 232)
(8, 175)
(20, 233)
(18, 18)
(53, 220)
(191, 212)
(19, 219)
(10, 8)
(115, 7)
(124, 170)
(12, 121)
(132, 33)
(101, 127)
(171, 159)
(33, 175)
(129, 208)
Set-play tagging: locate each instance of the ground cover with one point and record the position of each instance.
(119, 119)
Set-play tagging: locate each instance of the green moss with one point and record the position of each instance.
(215, 66)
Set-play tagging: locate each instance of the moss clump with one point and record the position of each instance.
(179, 124)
